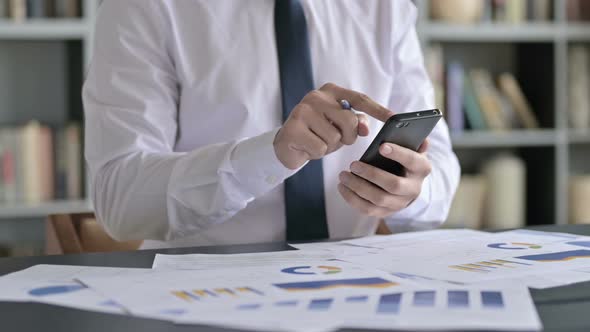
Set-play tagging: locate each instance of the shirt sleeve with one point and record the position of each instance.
(140, 187)
(413, 91)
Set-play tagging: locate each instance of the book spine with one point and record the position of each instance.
(18, 10)
(455, 74)
(579, 191)
(35, 8)
(74, 161)
(579, 85)
(67, 8)
(3, 9)
(472, 108)
(506, 199)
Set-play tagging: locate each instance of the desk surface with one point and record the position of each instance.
(561, 309)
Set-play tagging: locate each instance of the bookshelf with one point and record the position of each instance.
(42, 61)
(553, 153)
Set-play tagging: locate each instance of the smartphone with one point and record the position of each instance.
(405, 129)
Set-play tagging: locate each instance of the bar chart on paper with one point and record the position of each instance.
(392, 303)
(204, 294)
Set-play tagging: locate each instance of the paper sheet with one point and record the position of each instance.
(477, 258)
(170, 294)
(56, 284)
(209, 261)
(501, 307)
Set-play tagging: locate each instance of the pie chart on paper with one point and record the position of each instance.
(310, 270)
(514, 246)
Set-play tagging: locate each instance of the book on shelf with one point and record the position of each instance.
(579, 192)
(578, 10)
(505, 11)
(435, 66)
(488, 98)
(40, 164)
(67, 8)
(3, 9)
(468, 203)
(454, 83)
(476, 102)
(17, 9)
(20, 10)
(522, 109)
(579, 86)
(506, 192)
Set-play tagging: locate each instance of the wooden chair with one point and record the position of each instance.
(80, 233)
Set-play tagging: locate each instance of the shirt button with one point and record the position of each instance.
(271, 179)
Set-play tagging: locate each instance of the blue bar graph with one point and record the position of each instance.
(357, 299)
(389, 303)
(424, 299)
(491, 299)
(458, 299)
(292, 303)
(320, 304)
(253, 306)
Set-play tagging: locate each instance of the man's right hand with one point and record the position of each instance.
(318, 125)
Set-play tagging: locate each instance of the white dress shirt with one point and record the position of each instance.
(182, 104)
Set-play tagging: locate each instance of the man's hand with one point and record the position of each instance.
(318, 125)
(378, 193)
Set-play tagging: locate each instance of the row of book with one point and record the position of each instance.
(579, 86)
(498, 11)
(38, 163)
(473, 100)
(20, 10)
(482, 197)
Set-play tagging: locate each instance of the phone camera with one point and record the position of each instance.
(400, 124)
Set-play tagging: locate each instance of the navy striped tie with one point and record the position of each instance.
(304, 191)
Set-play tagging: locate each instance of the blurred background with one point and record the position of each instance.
(512, 77)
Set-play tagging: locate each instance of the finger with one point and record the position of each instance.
(359, 101)
(347, 122)
(412, 161)
(361, 204)
(368, 191)
(391, 183)
(307, 141)
(363, 125)
(320, 126)
(424, 147)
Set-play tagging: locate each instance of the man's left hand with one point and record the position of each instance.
(378, 193)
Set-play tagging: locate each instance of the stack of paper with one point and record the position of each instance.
(459, 279)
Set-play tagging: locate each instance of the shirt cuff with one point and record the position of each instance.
(256, 165)
(416, 208)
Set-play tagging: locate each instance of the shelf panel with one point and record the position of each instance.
(578, 31)
(487, 32)
(579, 136)
(515, 138)
(43, 209)
(44, 29)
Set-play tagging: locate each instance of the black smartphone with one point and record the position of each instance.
(405, 129)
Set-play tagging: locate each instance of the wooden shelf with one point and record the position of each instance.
(41, 210)
(489, 32)
(44, 29)
(515, 138)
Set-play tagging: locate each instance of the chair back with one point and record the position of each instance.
(77, 233)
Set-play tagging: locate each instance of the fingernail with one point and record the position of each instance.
(386, 149)
(356, 168)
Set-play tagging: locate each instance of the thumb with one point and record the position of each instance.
(424, 147)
